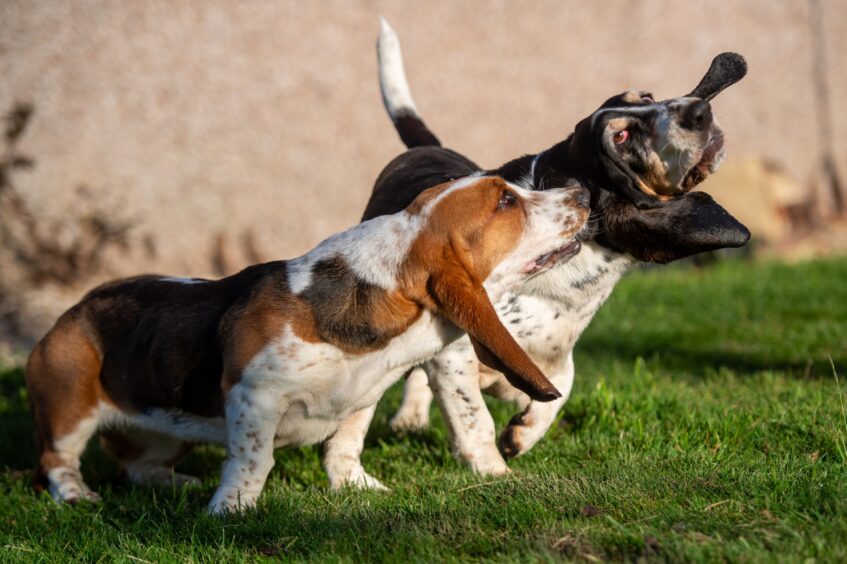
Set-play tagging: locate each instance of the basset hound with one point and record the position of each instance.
(639, 159)
(292, 352)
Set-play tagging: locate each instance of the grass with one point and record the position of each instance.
(706, 424)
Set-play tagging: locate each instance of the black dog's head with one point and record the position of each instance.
(640, 158)
(646, 151)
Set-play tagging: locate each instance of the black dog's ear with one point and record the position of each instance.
(726, 69)
(691, 224)
(625, 181)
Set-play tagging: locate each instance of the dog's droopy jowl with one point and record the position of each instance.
(640, 159)
(292, 352)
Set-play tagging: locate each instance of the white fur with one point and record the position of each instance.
(373, 249)
(540, 237)
(413, 414)
(469, 423)
(161, 431)
(392, 77)
(65, 482)
(182, 280)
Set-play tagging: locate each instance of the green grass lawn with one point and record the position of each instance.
(705, 424)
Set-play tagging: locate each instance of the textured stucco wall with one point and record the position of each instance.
(205, 117)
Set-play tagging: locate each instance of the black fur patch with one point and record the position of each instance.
(411, 173)
(344, 305)
(414, 132)
(161, 340)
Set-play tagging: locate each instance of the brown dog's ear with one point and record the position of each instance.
(726, 69)
(462, 299)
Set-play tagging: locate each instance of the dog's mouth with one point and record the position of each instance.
(547, 260)
(709, 162)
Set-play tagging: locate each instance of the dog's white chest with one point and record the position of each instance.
(315, 386)
(553, 309)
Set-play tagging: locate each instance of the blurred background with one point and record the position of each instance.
(193, 138)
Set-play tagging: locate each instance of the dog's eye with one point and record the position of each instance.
(507, 200)
(620, 136)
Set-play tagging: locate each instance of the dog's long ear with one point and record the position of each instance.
(691, 224)
(625, 181)
(726, 69)
(460, 296)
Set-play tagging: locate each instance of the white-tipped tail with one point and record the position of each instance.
(392, 77)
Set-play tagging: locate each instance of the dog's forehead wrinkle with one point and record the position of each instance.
(631, 110)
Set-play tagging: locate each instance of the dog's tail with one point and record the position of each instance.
(395, 91)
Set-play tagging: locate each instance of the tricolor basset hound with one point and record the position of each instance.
(639, 159)
(292, 352)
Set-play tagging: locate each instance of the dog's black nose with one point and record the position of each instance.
(697, 116)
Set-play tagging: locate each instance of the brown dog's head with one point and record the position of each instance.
(481, 237)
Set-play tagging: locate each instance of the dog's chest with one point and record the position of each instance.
(313, 387)
(553, 309)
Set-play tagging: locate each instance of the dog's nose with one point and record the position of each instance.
(697, 116)
(580, 196)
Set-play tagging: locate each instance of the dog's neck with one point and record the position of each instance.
(559, 167)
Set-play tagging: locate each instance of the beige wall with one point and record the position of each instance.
(201, 117)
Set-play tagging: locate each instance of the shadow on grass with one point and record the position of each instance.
(710, 358)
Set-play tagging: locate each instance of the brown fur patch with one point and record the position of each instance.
(454, 255)
(261, 320)
(62, 378)
(631, 97)
(120, 446)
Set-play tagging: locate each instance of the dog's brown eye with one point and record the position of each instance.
(507, 200)
(620, 136)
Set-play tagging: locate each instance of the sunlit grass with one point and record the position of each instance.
(706, 423)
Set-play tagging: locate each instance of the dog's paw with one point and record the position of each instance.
(231, 504)
(67, 486)
(410, 421)
(84, 496)
(511, 443)
(360, 480)
(491, 465)
(185, 480)
(160, 477)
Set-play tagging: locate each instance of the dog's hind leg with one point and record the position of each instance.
(62, 378)
(529, 426)
(413, 415)
(148, 457)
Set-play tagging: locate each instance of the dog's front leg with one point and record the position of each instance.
(529, 426)
(454, 379)
(251, 424)
(343, 450)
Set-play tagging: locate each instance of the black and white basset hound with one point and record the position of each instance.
(639, 158)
